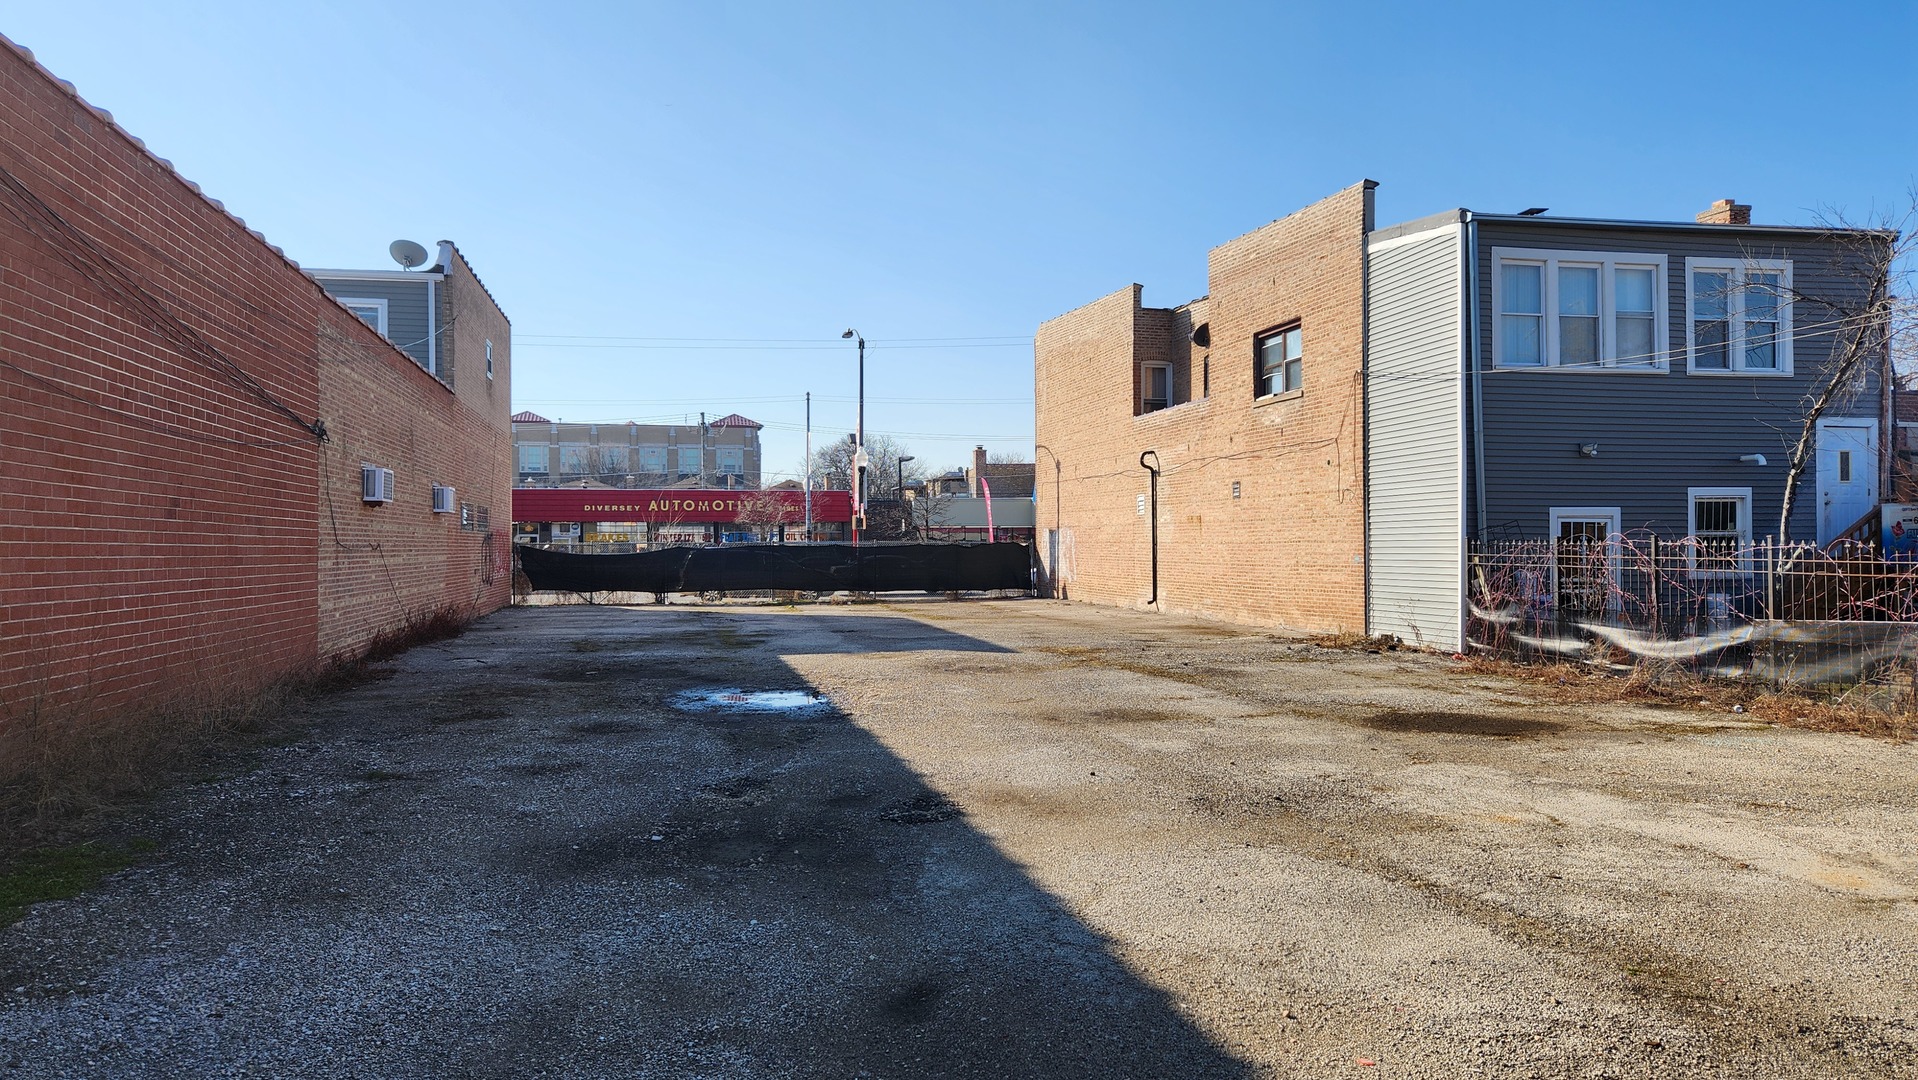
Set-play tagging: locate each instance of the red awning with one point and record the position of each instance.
(670, 506)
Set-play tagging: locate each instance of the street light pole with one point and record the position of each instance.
(859, 443)
(809, 466)
(899, 494)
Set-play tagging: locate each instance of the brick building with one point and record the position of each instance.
(185, 514)
(1154, 447)
(1320, 441)
(723, 454)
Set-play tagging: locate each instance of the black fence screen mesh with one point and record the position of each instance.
(802, 567)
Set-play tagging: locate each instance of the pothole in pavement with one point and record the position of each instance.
(1458, 723)
(731, 699)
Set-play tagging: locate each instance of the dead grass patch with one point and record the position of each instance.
(1673, 687)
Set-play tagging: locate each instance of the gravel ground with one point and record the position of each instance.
(991, 839)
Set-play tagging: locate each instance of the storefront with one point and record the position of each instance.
(623, 518)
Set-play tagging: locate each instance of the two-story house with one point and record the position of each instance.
(1315, 443)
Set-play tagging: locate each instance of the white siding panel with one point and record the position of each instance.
(1414, 439)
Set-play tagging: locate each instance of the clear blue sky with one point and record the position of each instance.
(779, 172)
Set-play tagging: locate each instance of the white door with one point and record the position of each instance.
(1847, 474)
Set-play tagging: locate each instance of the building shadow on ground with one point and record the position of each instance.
(493, 870)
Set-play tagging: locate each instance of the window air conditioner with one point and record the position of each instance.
(376, 484)
(442, 499)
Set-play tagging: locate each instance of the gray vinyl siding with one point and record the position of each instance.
(406, 323)
(1658, 433)
(1414, 435)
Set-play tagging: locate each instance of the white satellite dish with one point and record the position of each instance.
(407, 253)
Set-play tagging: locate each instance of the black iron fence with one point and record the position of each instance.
(1788, 612)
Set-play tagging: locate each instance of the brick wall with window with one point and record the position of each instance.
(1288, 549)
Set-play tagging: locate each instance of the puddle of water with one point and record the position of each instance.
(731, 699)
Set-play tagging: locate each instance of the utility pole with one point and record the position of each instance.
(809, 466)
(859, 444)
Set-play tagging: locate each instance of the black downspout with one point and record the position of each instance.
(1153, 470)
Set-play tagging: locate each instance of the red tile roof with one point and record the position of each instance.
(736, 420)
(529, 418)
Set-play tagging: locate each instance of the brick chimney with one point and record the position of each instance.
(978, 469)
(1726, 212)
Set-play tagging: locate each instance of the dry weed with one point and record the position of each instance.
(1672, 685)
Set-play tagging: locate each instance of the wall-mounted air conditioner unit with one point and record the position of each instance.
(376, 484)
(442, 499)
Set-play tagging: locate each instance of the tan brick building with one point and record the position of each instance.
(1246, 407)
(721, 454)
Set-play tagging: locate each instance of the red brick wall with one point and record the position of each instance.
(160, 515)
(383, 563)
(1289, 550)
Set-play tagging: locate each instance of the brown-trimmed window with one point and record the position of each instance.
(1281, 360)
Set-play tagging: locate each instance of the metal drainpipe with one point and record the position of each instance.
(1153, 509)
(1478, 383)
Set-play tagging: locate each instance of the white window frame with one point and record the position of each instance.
(1744, 494)
(1259, 374)
(584, 458)
(1735, 313)
(1608, 263)
(354, 303)
(489, 358)
(1145, 386)
(545, 458)
(1613, 518)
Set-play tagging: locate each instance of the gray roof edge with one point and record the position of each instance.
(1682, 226)
(1416, 225)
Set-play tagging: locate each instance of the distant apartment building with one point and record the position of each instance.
(723, 454)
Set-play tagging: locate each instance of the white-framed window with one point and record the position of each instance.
(489, 358)
(730, 461)
(371, 311)
(652, 459)
(1579, 310)
(691, 461)
(1155, 387)
(532, 458)
(575, 459)
(1281, 360)
(1719, 521)
(609, 458)
(1738, 316)
(1585, 558)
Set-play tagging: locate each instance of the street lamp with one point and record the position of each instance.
(903, 458)
(859, 443)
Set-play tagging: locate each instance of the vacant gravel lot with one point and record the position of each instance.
(1015, 838)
